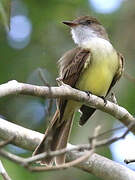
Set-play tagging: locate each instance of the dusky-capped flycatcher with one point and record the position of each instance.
(94, 66)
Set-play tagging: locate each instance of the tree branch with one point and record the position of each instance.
(3, 172)
(23, 137)
(104, 168)
(65, 91)
(28, 139)
(96, 164)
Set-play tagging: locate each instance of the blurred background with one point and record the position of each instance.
(36, 40)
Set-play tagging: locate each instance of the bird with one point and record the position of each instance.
(93, 66)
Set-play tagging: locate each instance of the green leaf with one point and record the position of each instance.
(5, 6)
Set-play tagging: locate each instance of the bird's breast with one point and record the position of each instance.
(99, 69)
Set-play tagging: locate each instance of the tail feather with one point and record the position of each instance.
(56, 137)
(63, 133)
(46, 143)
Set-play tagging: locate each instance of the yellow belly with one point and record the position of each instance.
(98, 75)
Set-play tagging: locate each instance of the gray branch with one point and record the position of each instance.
(24, 138)
(104, 168)
(120, 113)
(96, 164)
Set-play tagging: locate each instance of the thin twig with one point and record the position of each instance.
(129, 77)
(107, 132)
(41, 74)
(114, 139)
(50, 101)
(6, 142)
(127, 161)
(64, 166)
(13, 157)
(3, 172)
(94, 140)
(113, 98)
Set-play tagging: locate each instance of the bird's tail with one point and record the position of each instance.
(56, 136)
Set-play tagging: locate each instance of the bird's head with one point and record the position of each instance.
(85, 28)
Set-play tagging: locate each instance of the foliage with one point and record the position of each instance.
(5, 13)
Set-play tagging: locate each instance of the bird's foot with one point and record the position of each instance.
(104, 99)
(113, 98)
(59, 81)
(88, 93)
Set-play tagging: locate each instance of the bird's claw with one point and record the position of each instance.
(104, 99)
(59, 81)
(88, 93)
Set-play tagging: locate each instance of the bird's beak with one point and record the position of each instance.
(70, 23)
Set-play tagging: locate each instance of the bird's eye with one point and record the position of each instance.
(89, 21)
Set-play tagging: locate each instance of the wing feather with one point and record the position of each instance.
(71, 65)
(119, 71)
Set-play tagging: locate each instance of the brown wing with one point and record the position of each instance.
(71, 65)
(118, 72)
